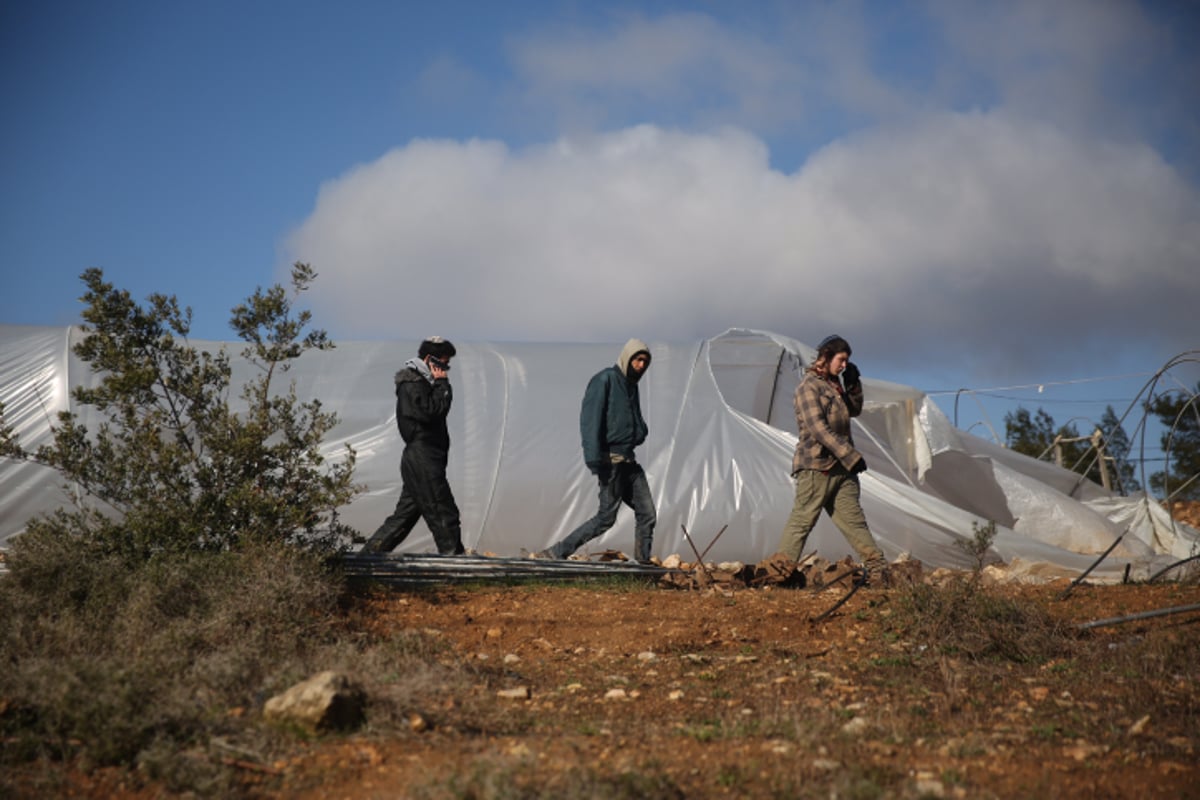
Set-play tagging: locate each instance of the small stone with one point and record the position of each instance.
(1082, 751)
(511, 658)
(855, 727)
(616, 694)
(647, 656)
(1137, 728)
(930, 787)
(327, 700)
(520, 693)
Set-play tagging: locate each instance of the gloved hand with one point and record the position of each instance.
(850, 374)
(859, 466)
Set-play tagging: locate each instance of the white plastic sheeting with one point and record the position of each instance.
(720, 444)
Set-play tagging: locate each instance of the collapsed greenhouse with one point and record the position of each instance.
(722, 431)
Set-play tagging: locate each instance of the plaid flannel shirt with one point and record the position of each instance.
(823, 413)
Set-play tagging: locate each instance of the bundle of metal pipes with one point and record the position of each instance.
(413, 569)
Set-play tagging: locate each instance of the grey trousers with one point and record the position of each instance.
(627, 485)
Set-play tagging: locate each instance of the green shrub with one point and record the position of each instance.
(963, 618)
(161, 650)
(170, 465)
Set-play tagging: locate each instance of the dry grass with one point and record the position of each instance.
(161, 666)
(955, 678)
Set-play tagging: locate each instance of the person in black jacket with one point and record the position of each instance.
(423, 398)
(611, 425)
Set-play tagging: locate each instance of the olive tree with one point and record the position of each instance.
(173, 463)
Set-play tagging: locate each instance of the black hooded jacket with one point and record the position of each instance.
(421, 409)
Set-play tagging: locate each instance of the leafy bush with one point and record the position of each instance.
(187, 583)
(171, 465)
(977, 547)
(966, 619)
(1179, 414)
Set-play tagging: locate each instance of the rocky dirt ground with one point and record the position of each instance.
(630, 688)
(719, 693)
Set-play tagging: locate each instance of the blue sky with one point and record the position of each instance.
(996, 196)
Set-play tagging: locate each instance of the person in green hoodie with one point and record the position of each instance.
(611, 426)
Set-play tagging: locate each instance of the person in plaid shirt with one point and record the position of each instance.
(826, 464)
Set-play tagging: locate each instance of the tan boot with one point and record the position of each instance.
(878, 574)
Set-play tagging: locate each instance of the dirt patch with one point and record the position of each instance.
(734, 693)
(627, 689)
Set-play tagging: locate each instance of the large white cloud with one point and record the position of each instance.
(976, 236)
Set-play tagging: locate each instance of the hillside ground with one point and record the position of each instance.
(942, 686)
(634, 691)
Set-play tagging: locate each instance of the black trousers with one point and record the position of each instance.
(427, 494)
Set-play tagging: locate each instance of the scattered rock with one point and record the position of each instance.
(519, 693)
(326, 701)
(1137, 728)
(906, 571)
(1082, 751)
(855, 727)
(930, 787)
(778, 570)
